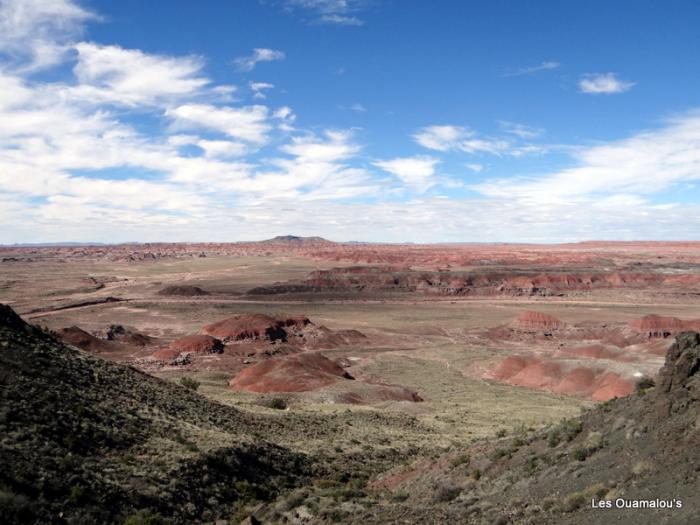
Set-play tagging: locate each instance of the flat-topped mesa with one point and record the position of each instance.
(531, 320)
(256, 327)
(660, 326)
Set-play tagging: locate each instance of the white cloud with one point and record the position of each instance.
(476, 168)
(643, 164)
(260, 54)
(337, 12)
(605, 83)
(520, 130)
(284, 113)
(446, 138)
(247, 123)
(221, 149)
(547, 65)
(442, 138)
(111, 74)
(259, 88)
(416, 172)
(36, 33)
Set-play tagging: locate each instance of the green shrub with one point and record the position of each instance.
(580, 453)
(188, 382)
(644, 384)
(145, 517)
(553, 439)
(399, 496)
(499, 453)
(278, 403)
(447, 493)
(576, 500)
(571, 428)
(462, 459)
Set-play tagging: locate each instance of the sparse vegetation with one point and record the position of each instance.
(278, 403)
(644, 384)
(190, 383)
(577, 499)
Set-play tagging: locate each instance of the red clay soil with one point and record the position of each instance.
(537, 321)
(592, 382)
(579, 380)
(197, 344)
(541, 375)
(596, 351)
(611, 385)
(512, 365)
(291, 373)
(255, 327)
(166, 354)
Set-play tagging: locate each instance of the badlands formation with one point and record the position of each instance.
(383, 355)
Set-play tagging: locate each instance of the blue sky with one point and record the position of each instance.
(376, 120)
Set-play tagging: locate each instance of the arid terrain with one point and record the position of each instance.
(408, 383)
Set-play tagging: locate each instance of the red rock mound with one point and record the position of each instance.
(598, 351)
(529, 320)
(197, 344)
(512, 365)
(78, 337)
(540, 375)
(166, 354)
(611, 385)
(119, 333)
(579, 380)
(256, 327)
(292, 373)
(592, 382)
(654, 326)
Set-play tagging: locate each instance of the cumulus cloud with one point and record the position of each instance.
(35, 34)
(603, 83)
(75, 163)
(259, 54)
(416, 172)
(112, 74)
(247, 123)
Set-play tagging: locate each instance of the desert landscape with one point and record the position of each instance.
(355, 262)
(388, 355)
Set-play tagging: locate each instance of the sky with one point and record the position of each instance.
(355, 120)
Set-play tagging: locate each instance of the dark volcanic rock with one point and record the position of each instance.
(682, 361)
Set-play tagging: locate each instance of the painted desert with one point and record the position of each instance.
(299, 380)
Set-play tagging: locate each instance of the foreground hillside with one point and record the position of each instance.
(89, 441)
(642, 447)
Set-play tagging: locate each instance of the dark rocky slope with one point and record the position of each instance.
(83, 440)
